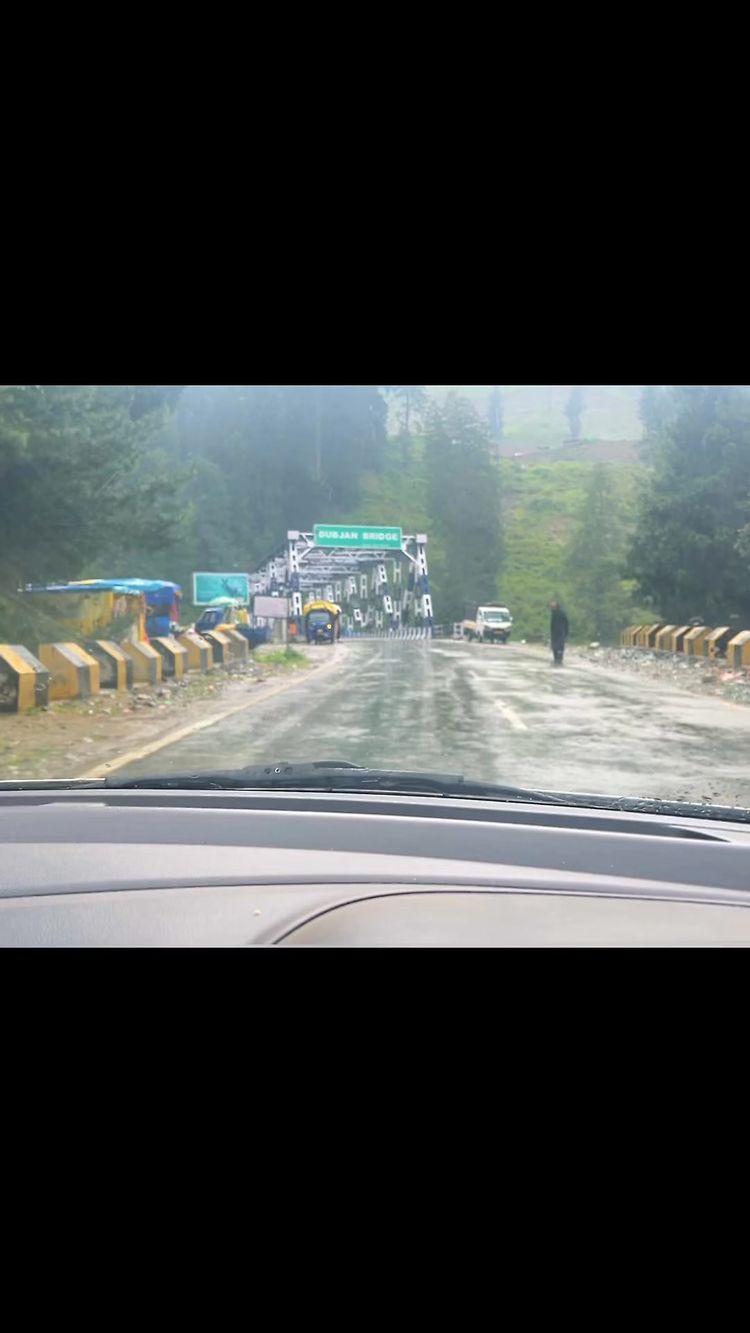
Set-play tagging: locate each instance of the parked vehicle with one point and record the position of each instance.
(494, 624)
(227, 613)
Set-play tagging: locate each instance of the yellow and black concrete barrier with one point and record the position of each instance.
(646, 637)
(221, 645)
(240, 647)
(715, 643)
(663, 641)
(678, 638)
(24, 680)
(693, 641)
(147, 667)
(174, 658)
(74, 673)
(115, 667)
(200, 653)
(738, 651)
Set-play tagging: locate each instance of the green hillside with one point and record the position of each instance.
(535, 413)
(541, 507)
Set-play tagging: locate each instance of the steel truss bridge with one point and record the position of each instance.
(379, 591)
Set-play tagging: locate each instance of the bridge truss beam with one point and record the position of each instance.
(381, 590)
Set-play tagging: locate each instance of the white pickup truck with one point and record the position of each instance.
(494, 624)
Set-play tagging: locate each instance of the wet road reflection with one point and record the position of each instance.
(491, 713)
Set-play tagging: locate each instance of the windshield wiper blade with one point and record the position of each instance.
(339, 776)
(330, 776)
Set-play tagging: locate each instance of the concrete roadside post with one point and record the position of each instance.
(174, 658)
(115, 667)
(147, 667)
(663, 641)
(738, 651)
(678, 639)
(200, 653)
(24, 680)
(74, 673)
(715, 643)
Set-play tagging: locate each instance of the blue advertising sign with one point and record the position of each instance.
(208, 588)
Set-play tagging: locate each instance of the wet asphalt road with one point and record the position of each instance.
(494, 714)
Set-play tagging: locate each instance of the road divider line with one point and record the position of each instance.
(103, 770)
(511, 716)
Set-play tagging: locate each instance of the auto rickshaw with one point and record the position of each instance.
(322, 622)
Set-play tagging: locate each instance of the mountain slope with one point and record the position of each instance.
(535, 413)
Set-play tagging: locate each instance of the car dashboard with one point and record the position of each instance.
(124, 869)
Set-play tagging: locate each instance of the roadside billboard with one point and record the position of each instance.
(207, 588)
(271, 608)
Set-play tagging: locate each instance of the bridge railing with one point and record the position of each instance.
(410, 632)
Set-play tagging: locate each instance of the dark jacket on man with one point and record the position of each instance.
(560, 628)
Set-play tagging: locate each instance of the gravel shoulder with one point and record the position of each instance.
(68, 739)
(694, 674)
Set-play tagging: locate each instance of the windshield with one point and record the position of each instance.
(543, 586)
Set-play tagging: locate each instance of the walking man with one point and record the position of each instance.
(559, 631)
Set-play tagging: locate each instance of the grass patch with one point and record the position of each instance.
(287, 659)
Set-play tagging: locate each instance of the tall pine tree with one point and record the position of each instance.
(495, 415)
(594, 561)
(687, 554)
(574, 412)
(464, 501)
(74, 476)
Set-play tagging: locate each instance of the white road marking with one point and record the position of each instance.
(511, 716)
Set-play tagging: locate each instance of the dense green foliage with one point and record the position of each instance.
(266, 458)
(77, 479)
(410, 401)
(463, 500)
(655, 409)
(70, 470)
(595, 556)
(688, 553)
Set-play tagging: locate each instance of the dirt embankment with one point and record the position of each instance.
(68, 740)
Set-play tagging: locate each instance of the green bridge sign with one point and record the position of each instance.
(363, 538)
